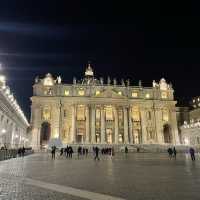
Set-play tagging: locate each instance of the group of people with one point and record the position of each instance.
(173, 152)
(21, 151)
(82, 151)
(67, 152)
(107, 151)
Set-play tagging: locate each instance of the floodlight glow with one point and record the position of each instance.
(3, 130)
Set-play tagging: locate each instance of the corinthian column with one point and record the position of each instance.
(93, 134)
(144, 124)
(102, 125)
(73, 132)
(174, 127)
(130, 126)
(116, 126)
(87, 124)
(126, 141)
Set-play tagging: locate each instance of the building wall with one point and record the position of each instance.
(95, 112)
(13, 124)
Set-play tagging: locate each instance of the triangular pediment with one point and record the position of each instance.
(109, 93)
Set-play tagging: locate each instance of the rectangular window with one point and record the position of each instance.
(149, 115)
(81, 113)
(109, 113)
(164, 95)
(134, 94)
(65, 113)
(165, 116)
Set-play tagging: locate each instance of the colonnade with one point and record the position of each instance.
(90, 124)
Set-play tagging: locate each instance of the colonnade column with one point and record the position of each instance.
(93, 134)
(158, 124)
(125, 125)
(130, 126)
(174, 127)
(73, 132)
(87, 138)
(103, 126)
(116, 126)
(143, 124)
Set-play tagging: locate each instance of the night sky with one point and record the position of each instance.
(138, 41)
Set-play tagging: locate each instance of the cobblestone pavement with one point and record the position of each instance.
(135, 176)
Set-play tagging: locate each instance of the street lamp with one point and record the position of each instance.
(3, 131)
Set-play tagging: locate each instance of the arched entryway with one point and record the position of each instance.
(167, 133)
(45, 133)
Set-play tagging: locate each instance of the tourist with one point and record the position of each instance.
(53, 152)
(138, 149)
(192, 153)
(79, 151)
(126, 149)
(65, 151)
(19, 152)
(86, 152)
(174, 152)
(70, 149)
(170, 152)
(23, 151)
(61, 151)
(83, 151)
(112, 151)
(96, 151)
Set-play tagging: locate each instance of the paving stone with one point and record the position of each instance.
(135, 176)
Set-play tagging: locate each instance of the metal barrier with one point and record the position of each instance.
(12, 153)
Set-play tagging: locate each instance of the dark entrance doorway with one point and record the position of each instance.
(45, 133)
(167, 133)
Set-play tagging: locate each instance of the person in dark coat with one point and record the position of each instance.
(53, 152)
(126, 149)
(23, 151)
(96, 151)
(61, 151)
(192, 153)
(174, 152)
(86, 152)
(70, 152)
(170, 152)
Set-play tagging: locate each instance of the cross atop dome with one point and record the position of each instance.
(89, 70)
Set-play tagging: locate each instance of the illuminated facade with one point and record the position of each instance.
(92, 111)
(13, 123)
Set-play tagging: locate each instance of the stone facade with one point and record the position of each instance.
(92, 111)
(13, 123)
(190, 129)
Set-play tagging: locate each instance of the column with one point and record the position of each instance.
(143, 124)
(103, 126)
(93, 134)
(174, 127)
(73, 130)
(159, 125)
(116, 126)
(36, 123)
(125, 125)
(87, 137)
(130, 126)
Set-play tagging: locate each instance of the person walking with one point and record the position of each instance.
(174, 152)
(86, 152)
(53, 152)
(70, 152)
(170, 152)
(61, 151)
(192, 153)
(96, 150)
(126, 149)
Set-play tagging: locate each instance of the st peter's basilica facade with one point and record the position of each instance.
(94, 111)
